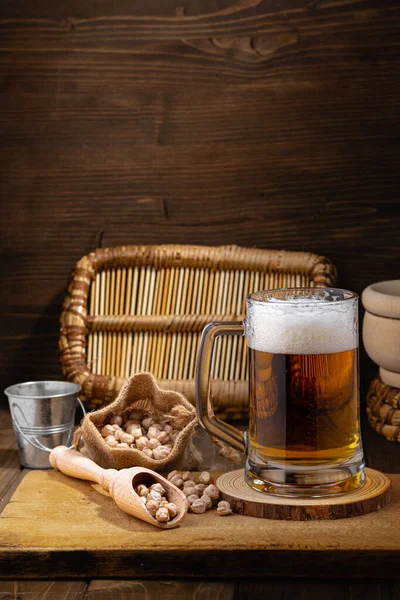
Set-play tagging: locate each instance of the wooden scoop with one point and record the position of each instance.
(120, 484)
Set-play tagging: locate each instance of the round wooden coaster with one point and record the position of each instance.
(374, 495)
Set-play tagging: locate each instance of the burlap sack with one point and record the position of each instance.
(141, 391)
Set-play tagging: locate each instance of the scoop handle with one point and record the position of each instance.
(73, 463)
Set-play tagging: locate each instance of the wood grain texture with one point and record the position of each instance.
(42, 590)
(199, 590)
(272, 124)
(86, 535)
(167, 590)
(395, 590)
(315, 590)
(120, 485)
(9, 461)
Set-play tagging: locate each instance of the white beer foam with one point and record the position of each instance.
(301, 327)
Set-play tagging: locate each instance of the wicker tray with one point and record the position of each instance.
(135, 308)
(383, 409)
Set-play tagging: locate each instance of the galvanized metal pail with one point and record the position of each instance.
(43, 415)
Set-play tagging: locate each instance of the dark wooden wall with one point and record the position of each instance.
(262, 123)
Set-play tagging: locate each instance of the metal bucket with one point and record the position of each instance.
(43, 416)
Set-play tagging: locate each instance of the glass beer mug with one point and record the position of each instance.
(304, 433)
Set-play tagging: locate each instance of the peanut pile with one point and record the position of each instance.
(155, 438)
(201, 493)
(155, 500)
(137, 430)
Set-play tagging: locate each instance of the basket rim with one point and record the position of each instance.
(214, 257)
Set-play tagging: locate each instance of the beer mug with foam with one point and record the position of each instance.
(304, 432)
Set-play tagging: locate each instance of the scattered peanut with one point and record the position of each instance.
(198, 506)
(163, 437)
(176, 480)
(224, 508)
(192, 497)
(200, 496)
(212, 491)
(152, 506)
(111, 441)
(162, 515)
(116, 420)
(153, 432)
(147, 422)
(189, 483)
(153, 443)
(154, 495)
(157, 487)
(148, 452)
(171, 508)
(142, 490)
(126, 438)
(172, 474)
(142, 443)
(205, 477)
(207, 501)
(117, 434)
(107, 430)
(161, 452)
(135, 430)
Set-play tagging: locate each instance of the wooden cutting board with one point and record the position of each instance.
(58, 526)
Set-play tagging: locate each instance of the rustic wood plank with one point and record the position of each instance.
(11, 488)
(395, 590)
(290, 21)
(167, 590)
(314, 590)
(85, 534)
(9, 461)
(42, 590)
(77, 564)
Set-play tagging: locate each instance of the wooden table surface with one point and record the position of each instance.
(380, 454)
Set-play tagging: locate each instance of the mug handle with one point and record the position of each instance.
(205, 411)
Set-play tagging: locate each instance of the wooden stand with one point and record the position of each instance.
(374, 495)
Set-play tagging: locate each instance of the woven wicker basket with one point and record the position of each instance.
(383, 409)
(142, 308)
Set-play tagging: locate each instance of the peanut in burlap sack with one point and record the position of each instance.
(141, 401)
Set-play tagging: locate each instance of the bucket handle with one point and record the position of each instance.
(43, 430)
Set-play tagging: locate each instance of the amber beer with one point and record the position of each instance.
(304, 407)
